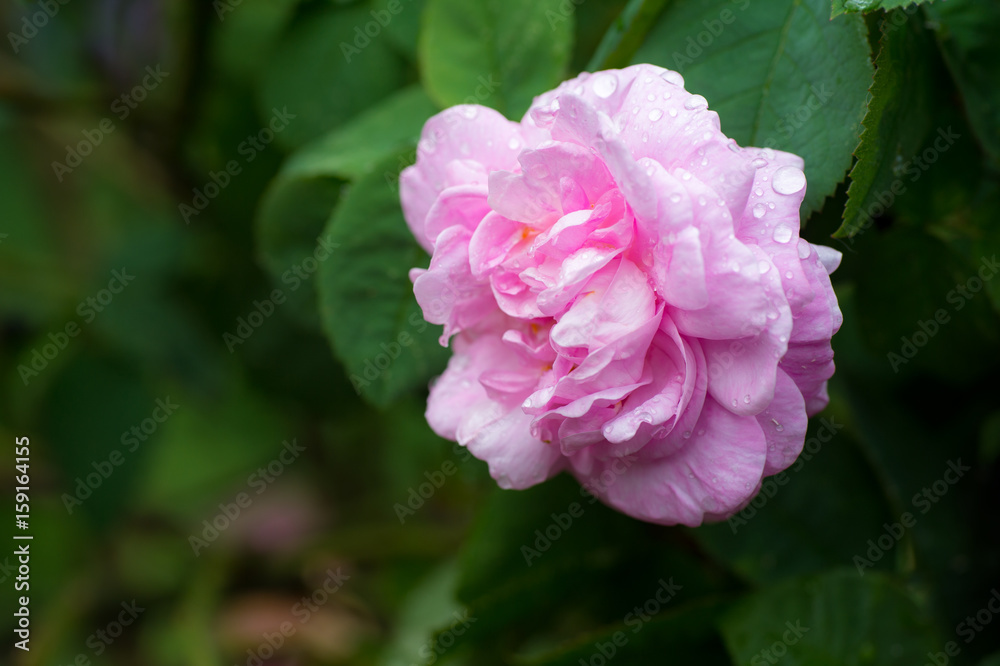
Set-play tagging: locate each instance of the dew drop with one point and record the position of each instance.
(746, 399)
(539, 172)
(770, 204)
(635, 110)
(759, 210)
(701, 432)
(758, 163)
(651, 97)
(673, 77)
(788, 275)
(645, 138)
(676, 198)
(672, 112)
(696, 102)
(763, 266)
(782, 233)
(605, 85)
(578, 90)
(804, 249)
(702, 201)
(788, 180)
(759, 192)
(735, 403)
(687, 434)
(426, 146)
(513, 144)
(470, 112)
(655, 115)
(666, 95)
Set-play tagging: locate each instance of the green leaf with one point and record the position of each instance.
(299, 201)
(402, 27)
(622, 40)
(686, 632)
(831, 620)
(780, 75)
(897, 120)
(322, 76)
(352, 149)
(367, 305)
(494, 52)
(967, 33)
(868, 6)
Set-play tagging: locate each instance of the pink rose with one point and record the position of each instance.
(628, 294)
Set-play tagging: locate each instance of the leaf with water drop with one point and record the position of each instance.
(867, 6)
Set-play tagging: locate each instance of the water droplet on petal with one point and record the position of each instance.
(782, 233)
(759, 210)
(635, 110)
(759, 192)
(788, 180)
(804, 249)
(578, 90)
(696, 102)
(735, 403)
(687, 434)
(426, 146)
(605, 85)
(701, 432)
(676, 198)
(645, 138)
(672, 112)
(746, 399)
(470, 112)
(513, 144)
(763, 266)
(539, 171)
(758, 163)
(788, 275)
(666, 95)
(655, 115)
(651, 97)
(673, 77)
(702, 201)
